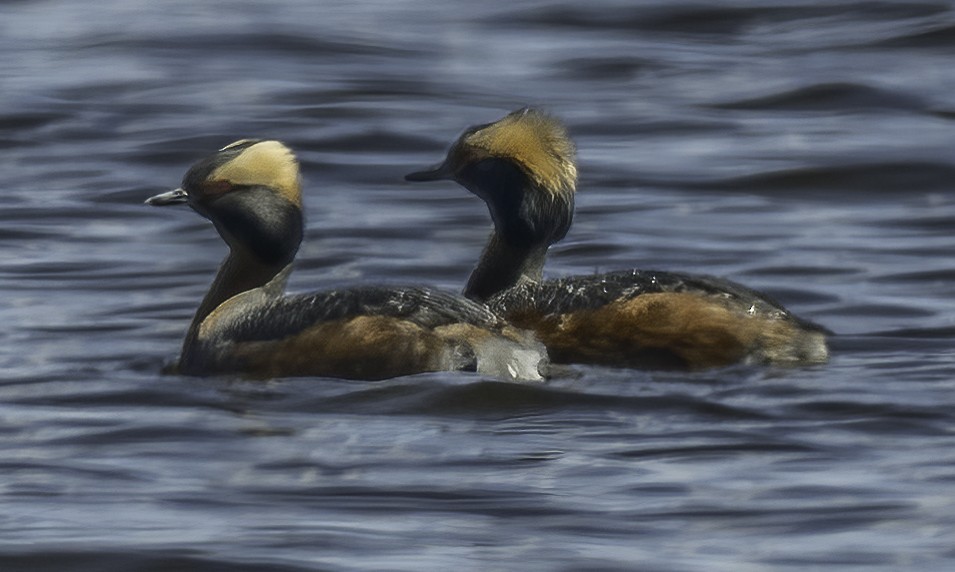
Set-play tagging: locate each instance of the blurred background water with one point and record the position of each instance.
(801, 147)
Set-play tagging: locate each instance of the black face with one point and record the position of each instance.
(201, 191)
(501, 184)
(522, 214)
(261, 220)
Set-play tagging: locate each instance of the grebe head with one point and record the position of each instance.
(523, 166)
(251, 191)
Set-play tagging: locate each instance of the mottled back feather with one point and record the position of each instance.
(426, 307)
(576, 293)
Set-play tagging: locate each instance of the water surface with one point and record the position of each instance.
(800, 147)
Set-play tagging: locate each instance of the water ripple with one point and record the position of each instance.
(846, 97)
(802, 148)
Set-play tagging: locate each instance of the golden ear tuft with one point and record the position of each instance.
(535, 140)
(239, 143)
(265, 164)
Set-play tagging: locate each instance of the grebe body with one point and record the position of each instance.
(523, 166)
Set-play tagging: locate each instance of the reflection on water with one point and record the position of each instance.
(802, 148)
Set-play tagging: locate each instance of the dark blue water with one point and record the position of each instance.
(804, 148)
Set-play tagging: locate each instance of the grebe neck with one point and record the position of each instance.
(239, 272)
(504, 265)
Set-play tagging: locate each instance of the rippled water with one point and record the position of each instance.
(800, 147)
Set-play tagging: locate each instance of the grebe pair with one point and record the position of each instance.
(523, 167)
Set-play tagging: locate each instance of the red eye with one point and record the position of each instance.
(215, 188)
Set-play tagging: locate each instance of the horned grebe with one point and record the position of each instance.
(523, 166)
(246, 324)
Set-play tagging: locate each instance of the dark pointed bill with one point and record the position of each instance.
(173, 197)
(437, 173)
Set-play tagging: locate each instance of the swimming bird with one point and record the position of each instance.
(251, 191)
(523, 166)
